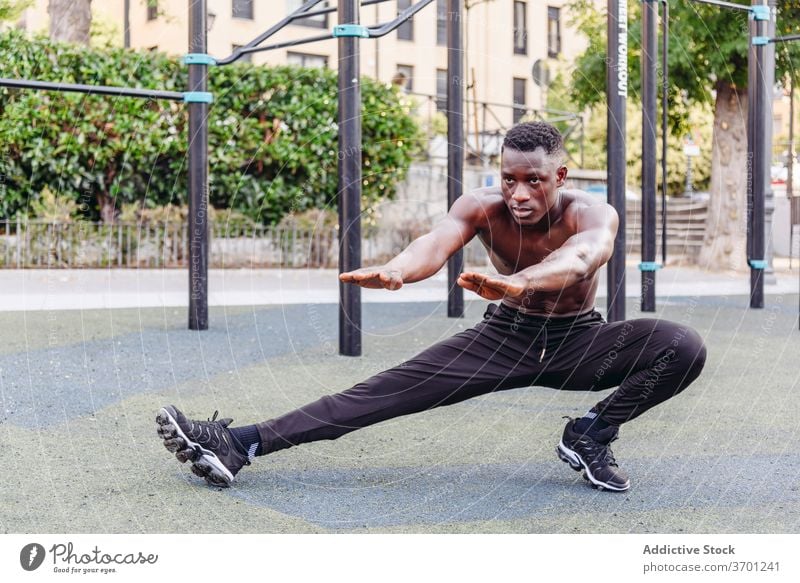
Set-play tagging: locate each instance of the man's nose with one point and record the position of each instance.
(521, 193)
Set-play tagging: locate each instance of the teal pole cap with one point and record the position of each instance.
(351, 30)
(649, 266)
(198, 97)
(198, 59)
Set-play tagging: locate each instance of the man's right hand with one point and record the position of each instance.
(374, 278)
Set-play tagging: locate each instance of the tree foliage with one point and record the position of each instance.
(708, 45)
(12, 9)
(272, 134)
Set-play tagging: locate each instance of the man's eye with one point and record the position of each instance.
(508, 180)
(533, 180)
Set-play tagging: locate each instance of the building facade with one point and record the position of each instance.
(505, 41)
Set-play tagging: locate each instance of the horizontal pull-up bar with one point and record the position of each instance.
(723, 4)
(93, 89)
(299, 13)
(784, 39)
(305, 11)
(281, 45)
(330, 9)
(381, 30)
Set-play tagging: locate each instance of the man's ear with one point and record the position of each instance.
(561, 176)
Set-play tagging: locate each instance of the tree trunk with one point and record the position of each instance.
(70, 20)
(108, 208)
(724, 245)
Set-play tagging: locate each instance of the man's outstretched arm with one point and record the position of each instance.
(577, 259)
(427, 254)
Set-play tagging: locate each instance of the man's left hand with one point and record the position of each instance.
(493, 287)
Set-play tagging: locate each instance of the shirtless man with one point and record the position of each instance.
(547, 245)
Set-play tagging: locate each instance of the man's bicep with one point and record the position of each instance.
(458, 228)
(597, 228)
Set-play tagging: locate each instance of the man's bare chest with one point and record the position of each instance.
(512, 249)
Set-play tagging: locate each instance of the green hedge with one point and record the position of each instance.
(272, 133)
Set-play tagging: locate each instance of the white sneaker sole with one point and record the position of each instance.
(575, 461)
(205, 462)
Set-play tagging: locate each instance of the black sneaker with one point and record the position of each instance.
(593, 455)
(209, 445)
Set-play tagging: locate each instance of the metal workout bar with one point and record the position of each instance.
(784, 39)
(648, 264)
(348, 32)
(374, 31)
(92, 89)
(723, 4)
(197, 98)
(761, 64)
(773, 40)
(617, 95)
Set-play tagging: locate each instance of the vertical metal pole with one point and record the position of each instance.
(664, 133)
(455, 145)
(758, 167)
(349, 181)
(617, 94)
(768, 68)
(752, 96)
(126, 34)
(649, 112)
(790, 169)
(198, 173)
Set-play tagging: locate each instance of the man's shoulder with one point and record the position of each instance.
(486, 194)
(575, 202)
(580, 198)
(481, 201)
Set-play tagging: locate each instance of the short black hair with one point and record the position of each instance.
(528, 136)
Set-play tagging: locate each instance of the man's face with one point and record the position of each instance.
(530, 183)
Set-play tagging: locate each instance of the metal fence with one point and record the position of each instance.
(43, 244)
(486, 125)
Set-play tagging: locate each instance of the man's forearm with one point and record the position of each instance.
(420, 260)
(562, 268)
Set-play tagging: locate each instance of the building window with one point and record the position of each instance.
(152, 9)
(318, 21)
(404, 78)
(520, 28)
(553, 32)
(242, 9)
(441, 89)
(406, 30)
(441, 22)
(307, 60)
(245, 58)
(519, 99)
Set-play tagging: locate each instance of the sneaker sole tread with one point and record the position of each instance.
(205, 463)
(575, 462)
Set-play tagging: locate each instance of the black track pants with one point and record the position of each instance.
(649, 360)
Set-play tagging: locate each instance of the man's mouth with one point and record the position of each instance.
(521, 212)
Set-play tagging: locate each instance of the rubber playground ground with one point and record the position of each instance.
(80, 388)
